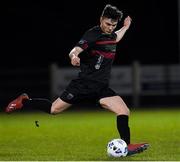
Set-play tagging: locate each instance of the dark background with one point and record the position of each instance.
(35, 34)
(41, 32)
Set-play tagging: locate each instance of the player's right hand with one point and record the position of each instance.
(75, 61)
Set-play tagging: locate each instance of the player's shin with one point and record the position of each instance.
(123, 128)
(38, 103)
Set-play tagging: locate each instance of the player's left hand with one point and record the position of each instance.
(127, 22)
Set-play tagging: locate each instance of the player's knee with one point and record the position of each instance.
(104, 103)
(127, 111)
(122, 111)
(54, 110)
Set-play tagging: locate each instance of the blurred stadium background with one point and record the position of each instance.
(36, 37)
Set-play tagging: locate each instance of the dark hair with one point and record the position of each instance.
(112, 12)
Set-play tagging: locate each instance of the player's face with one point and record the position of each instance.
(107, 25)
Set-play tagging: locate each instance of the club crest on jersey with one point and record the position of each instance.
(82, 41)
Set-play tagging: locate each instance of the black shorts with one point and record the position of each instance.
(80, 90)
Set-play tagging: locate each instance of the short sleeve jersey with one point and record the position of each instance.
(98, 55)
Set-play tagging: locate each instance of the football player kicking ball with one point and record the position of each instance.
(94, 53)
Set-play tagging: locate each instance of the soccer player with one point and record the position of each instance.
(94, 53)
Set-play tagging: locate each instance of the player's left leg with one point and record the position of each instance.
(118, 106)
(24, 102)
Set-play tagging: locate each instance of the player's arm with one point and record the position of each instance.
(83, 44)
(75, 60)
(120, 33)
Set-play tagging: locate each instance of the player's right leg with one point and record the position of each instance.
(24, 101)
(71, 95)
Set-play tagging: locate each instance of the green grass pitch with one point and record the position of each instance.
(83, 135)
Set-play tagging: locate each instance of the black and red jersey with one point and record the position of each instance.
(98, 55)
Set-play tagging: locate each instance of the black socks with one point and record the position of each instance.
(38, 103)
(123, 128)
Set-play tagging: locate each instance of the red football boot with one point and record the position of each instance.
(16, 103)
(137, 148)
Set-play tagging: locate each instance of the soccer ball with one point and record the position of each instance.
(117, 148)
